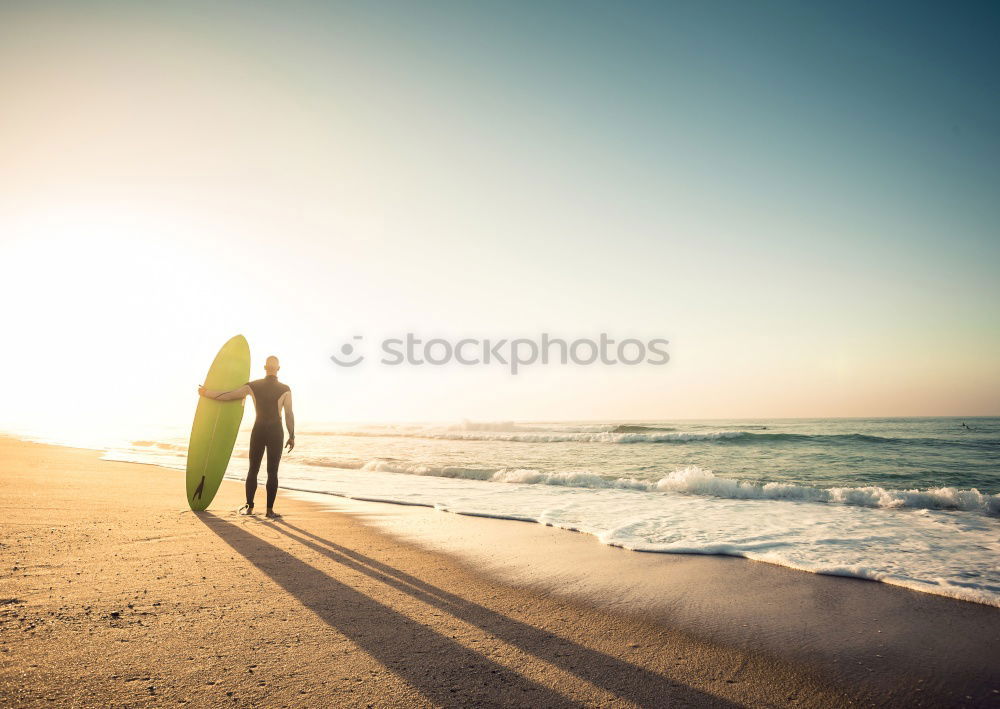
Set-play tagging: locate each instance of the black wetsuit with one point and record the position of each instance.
(267, 434)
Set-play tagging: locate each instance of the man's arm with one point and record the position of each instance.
(286, 404)
(235, 394)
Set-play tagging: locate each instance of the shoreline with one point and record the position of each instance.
(955, 562)
(833, 624)
(491, 615)
(953, 593)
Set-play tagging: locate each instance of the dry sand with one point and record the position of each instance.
(113, 594)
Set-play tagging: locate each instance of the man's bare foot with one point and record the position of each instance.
(272, 514)
(246, 510)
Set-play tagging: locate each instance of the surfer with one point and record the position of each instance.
(270, 398)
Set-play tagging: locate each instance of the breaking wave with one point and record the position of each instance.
(693, 480)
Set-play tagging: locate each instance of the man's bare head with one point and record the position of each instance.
(271, 365)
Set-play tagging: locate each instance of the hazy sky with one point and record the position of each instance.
(802, 198)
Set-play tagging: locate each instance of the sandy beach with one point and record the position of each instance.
(114, 594)
(572, 354)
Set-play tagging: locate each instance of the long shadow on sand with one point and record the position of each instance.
(444, 671)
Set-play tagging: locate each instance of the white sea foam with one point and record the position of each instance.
(941, 539)
(693, 480)
(690, 480)
(952, 555)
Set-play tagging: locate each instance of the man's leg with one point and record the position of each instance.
(257, 443)
(274, 447)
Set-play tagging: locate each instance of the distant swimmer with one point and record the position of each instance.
(270, 398)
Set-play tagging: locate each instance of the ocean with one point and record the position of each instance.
(912, 502)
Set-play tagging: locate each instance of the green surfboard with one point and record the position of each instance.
(216, 423)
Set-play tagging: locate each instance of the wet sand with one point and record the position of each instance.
(883, 641)
(113, 593)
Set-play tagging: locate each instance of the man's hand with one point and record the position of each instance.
(234, 395)
(290, 445)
